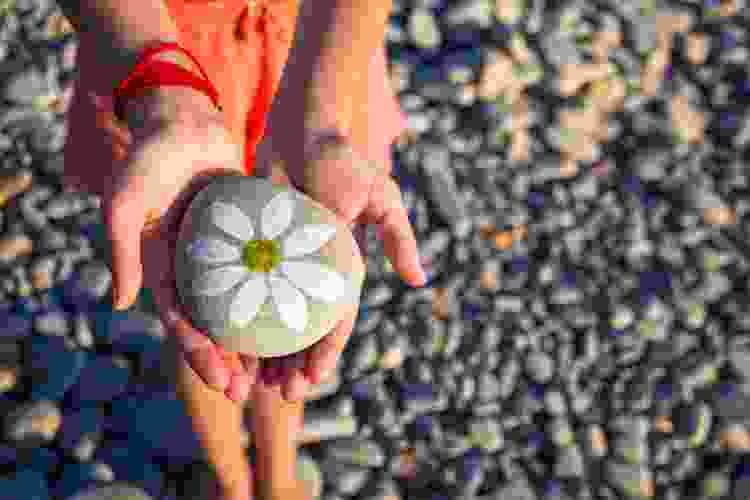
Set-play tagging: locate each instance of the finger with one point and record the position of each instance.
(231, 359)
(394, 228)
(198, 349)
(252, 367)
(323, 356)
(271, 371)
(239, 388)
(124, 215)
(297, 387)
(292, 370)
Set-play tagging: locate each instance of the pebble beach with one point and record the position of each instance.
(576, 173)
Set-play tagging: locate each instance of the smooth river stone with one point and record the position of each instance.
(266, 335)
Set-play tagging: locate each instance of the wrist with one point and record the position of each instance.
(168, 105)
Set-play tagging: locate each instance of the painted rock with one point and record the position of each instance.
(264, 269)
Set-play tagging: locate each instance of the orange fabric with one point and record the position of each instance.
(243, 51)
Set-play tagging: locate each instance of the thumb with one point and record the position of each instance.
(124, 214)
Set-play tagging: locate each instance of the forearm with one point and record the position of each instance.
(276, 426)
(350, 34)
(336, 42)
(121, 29)
(113, 34)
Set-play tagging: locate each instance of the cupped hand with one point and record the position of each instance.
(351, 177)
(146, 179)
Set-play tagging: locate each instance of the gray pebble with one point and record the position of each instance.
(23, 87)
(662, 454)
(32, 423)
(539, 366)
(479, 12)
(423, 29)
(82, 331)
(325, 425)
(554, 403)
(52, 323)
(96, 278)
(508, 376)
(684, 466)
(66, 204)
(518, 489)
(357, 452)
(570, 463)
(378, 296)
(346, 479)
(42, 272)
(629, 479)
(116, 491)
(559, 49)
(644, 31)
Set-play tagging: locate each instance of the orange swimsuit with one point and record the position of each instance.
(242, 45)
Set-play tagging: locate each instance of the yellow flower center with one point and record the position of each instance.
(261, 255)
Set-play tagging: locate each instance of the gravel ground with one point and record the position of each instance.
(576, 175)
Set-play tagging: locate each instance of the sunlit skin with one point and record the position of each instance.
(360, 196)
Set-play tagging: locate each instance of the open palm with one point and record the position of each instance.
(335, 172)
(146, 180)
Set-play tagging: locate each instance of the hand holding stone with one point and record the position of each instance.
(145, 179)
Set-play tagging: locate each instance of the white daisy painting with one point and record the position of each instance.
(268, 260)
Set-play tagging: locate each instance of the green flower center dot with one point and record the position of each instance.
(261, 255)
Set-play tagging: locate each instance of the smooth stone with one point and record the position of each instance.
(75, 477)
(357, 452)
(265, 334)
(308, 471)
(32, 424)
(116, 491)
(96, 278)
(322, 425)
(129, 464)
(77, 425)
(347, 479)
(52, 323)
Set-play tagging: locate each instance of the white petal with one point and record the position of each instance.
(250, 297)
(230, 219)
(219, 280)
(277, 215)
(307, 239)
(290, 304)
(212, 251)
(321, 283)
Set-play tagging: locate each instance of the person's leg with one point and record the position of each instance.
(217, 422)
(276, 425)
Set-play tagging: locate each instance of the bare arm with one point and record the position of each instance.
(118, 31)
(330, 58)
